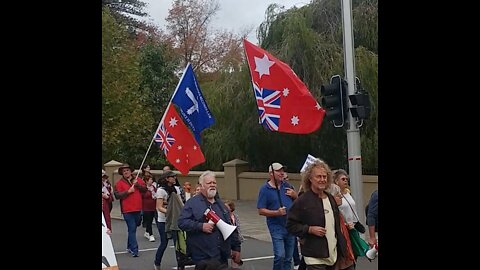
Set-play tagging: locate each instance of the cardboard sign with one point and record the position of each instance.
(109, 261)
(310, 159)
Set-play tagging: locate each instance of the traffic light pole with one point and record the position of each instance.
(353, 132)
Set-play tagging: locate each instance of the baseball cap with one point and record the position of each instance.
(276, 166)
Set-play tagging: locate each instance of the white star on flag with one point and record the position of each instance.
(295, 120)
(194, 147)
(177, 160)
(262, 65)
(285, 92)
(179, 147)
(173, 122)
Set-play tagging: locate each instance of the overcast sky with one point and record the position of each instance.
(234, 15)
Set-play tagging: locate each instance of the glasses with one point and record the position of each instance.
(344, 178)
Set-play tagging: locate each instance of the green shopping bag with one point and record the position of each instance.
(183, 257)
(359, 246)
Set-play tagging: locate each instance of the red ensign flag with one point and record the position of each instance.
(284, 102)
(177, 143)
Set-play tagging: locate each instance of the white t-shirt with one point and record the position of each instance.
(161, 194)
(330, 235)
(345, 209)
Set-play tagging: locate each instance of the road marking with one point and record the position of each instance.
(257, 258)
(147, 249)
(245, 260)
(192, 266)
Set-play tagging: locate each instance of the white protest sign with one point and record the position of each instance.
(109, 262)
(310, 159)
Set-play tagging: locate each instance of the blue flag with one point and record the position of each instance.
(193, 107)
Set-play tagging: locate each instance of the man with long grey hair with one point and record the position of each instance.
(314, 216)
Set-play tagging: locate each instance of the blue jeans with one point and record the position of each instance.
(131, 219)
(283, 244)
(163, 242)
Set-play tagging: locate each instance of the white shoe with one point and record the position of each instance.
(296, 267)
(151, 238)
(147, 235)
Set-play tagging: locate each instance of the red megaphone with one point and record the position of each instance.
(225, 228)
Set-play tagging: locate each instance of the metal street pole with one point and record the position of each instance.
(353, 132)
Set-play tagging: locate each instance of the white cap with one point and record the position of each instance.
(276, 166)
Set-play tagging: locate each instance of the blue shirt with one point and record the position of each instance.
(268, 198)
(372, 210)
(204, 246)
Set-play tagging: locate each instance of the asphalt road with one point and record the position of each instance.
(256, 254)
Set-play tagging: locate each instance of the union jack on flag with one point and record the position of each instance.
(268, 102)
(165, 139)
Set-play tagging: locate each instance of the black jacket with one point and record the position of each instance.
(307, 210)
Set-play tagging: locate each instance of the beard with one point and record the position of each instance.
(211, 193)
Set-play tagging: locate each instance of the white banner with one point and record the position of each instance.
(109, 261)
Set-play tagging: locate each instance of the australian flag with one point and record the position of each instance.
(268, 103)
(193, 107)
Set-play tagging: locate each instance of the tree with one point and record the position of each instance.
(207, 50)
(124, 10)
(367, 68)
(124, 114)
(157, 82)
(365, 30)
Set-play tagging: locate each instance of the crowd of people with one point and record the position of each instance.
(314, 228)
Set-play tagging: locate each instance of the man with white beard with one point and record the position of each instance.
(205, 242)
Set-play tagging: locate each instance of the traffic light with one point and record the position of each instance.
(360, 102)
(334, 100)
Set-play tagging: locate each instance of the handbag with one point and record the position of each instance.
(359, 246)
(358, 226)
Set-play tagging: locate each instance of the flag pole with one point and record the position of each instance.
(163, 117)
(276, 187)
